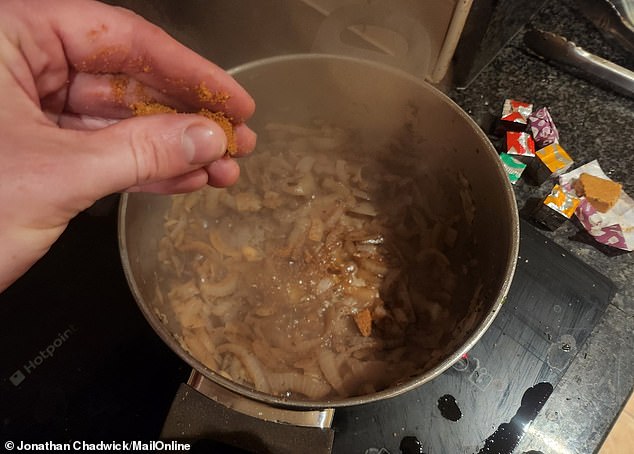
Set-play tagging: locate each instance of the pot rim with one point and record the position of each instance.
(510, 266)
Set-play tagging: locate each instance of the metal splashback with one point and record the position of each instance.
(417, 36)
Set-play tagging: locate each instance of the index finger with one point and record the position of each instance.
(102, 39)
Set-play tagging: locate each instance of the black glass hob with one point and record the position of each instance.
(79, 361)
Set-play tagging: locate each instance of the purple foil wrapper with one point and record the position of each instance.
(543, 128)
(612, 235)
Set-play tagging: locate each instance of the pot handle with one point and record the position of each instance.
(204, 423)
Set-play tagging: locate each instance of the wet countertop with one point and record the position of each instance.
(594, 123)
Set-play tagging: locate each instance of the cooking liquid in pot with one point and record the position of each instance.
(324, 273)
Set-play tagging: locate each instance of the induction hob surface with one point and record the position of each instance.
(486, 401)
(80, 362)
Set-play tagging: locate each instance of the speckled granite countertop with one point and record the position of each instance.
(594, 123)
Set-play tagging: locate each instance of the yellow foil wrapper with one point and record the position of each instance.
(562, 202)
(555, 158)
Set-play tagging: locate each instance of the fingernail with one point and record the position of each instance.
(204, 144)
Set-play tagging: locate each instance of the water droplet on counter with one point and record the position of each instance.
(411, 445)
(508, 435)
(449, 408)
(561, 352)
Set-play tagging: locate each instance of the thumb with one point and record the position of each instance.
(145, 150)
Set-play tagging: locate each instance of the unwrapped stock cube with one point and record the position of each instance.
(600, 192)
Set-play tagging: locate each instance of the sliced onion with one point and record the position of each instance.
(248, 201)
(305, 164)
(364, 208)
(250, 363)
(224, 287)
(311, 387)
(328, 366)
(221, 246)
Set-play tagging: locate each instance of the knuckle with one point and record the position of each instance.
(149, 156)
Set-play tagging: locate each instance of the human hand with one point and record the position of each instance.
(69, 72)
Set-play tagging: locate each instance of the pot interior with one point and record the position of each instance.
(432, 268)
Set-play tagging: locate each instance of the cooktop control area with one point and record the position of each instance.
(81, 363)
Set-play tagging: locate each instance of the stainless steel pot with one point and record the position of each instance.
(376, 101)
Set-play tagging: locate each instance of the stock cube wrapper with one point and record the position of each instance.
(520, 144)
(542, 128)
(552, 160)
(513, 167)
(606, 212)
(514, 116)
(556, 208)
(516, 111)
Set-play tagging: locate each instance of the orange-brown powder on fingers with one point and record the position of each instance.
(151, 108)
(141, 94)
(140, 64)
(203, 94)
(225, 123)
(119, 87)
(111, 59)
(96, 33)
(103, 60)
(208, 96)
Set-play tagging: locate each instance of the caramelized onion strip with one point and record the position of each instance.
(250, 363)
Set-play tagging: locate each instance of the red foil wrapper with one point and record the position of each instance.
(543, 128)
(520, 144)
(516, 111)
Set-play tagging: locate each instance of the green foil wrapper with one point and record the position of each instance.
(513, 167)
